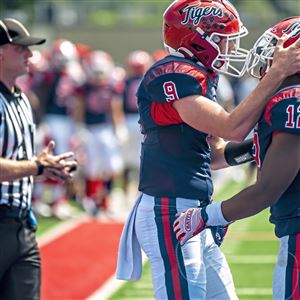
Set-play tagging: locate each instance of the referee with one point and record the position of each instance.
(19, 253)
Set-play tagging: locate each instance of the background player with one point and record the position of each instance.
(102, 114)
(277, 155)
(177, 113)
(58, 90)
(137, 64)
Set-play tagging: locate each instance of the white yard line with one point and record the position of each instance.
(107, 289)
(254, 291)
(251, 259)
(61, 229)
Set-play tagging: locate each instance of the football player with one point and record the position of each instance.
(178, 111)
(276, 145)
(102, 113)
(137, 64)
(59, 93)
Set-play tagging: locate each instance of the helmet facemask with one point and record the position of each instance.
(261, 55)
(231, 59)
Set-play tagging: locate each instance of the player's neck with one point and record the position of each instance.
(291, 80)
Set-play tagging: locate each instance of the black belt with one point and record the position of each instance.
(13, 212)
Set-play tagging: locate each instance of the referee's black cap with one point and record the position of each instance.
(14, 32)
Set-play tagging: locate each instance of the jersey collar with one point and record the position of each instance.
(8, 93)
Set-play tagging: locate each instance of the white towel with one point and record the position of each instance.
(129, 266)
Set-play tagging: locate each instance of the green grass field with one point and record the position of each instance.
(45, 224)
(250, 248)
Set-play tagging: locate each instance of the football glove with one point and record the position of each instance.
(218, 233)
(189, 223)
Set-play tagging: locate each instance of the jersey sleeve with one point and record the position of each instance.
(174, 81)
(284, 115)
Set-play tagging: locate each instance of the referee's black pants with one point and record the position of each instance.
(20, 273)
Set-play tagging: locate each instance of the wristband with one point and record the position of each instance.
(215, 215)
(238, 153)
(40, 167)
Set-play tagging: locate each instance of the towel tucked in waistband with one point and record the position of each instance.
(129, 266)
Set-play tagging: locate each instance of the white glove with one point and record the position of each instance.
(189, 223)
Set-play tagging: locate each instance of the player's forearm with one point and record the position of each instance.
(217, 146)
(247, 203)
(218, 161)
(224, 154)
(281, 166)
(246, 114)
(118, 116)
(11, 170)
(251, 200)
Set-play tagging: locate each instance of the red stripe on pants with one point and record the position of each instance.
(170, 249)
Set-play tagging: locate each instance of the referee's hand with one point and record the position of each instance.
(57, 167)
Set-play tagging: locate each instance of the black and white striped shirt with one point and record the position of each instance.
(17, 142)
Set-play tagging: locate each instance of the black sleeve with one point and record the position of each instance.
(238, 153)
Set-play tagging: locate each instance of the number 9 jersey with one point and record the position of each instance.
(175, 158)
(282, 114)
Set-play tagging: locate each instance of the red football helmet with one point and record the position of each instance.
(206, 31)
(138, 62)
(98, 66)
(63, 52)
(261, 54)
(83, 50)
(38, 62)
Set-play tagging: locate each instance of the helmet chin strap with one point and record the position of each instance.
(181, 52)
(186, 53)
